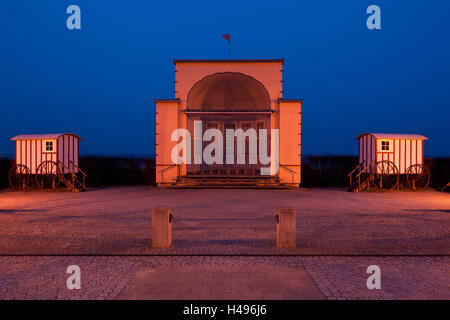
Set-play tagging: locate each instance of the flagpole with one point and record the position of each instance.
(228, 38)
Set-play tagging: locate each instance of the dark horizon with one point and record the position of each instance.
(100, 81)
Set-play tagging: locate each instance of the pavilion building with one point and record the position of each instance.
(229, 94)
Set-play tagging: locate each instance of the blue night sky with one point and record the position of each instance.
(100, 81)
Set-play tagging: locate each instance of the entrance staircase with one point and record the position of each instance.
(229, 182)
(225, 181)
(75, 182)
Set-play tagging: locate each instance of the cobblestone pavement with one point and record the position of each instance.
(336, 277)
(224, 282)
(329, 221)
(222, 222)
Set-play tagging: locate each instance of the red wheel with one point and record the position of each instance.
(385, 175)
(48, 176)
(19, 177)
(418, 177)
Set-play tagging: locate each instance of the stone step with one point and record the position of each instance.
(227, 182)
(271, 186)
(229, 177)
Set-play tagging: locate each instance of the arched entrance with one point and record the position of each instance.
(223, 101)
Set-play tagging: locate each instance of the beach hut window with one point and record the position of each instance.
(385, 145)
(49, 146)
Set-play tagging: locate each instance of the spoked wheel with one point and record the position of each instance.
(418, 177)
(385, 175)
(48, 176)
(19, 177)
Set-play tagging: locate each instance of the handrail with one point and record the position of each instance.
(444, 187)
(78, 168)
(350, 175)
(71, 172)
(66, 167)
(358, 166)
(287, 169)
(292, 172)
(74, 176)
(358, 176)
(82, 172)
(365, 168)
(170, 168)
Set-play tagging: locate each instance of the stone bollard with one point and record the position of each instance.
(161, 227)
(286, 228)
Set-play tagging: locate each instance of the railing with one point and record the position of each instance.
(81, 171)
(446, 186)
(366, 167)
(292, 172)
(168, 169)
(350, 175)
(361, 171)
(71, 173)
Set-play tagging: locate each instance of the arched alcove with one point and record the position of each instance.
(228, 91)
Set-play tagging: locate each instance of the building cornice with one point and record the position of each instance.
(175, 61)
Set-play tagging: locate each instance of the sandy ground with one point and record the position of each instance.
(415, 225)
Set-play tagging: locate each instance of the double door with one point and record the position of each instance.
(243, 123)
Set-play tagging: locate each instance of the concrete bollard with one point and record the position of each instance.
(286, 228)
(161, 227)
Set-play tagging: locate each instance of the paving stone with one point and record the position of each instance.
(249, 289)
(118, 220)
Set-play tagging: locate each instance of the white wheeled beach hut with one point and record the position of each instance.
(34, 149)
(403, 150)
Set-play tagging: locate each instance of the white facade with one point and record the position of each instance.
(32, 150)
(404, 150)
